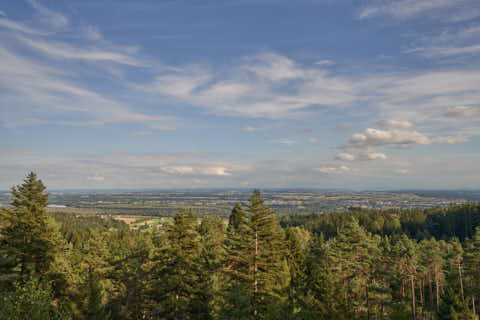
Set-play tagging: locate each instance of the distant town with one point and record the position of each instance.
(221, 202)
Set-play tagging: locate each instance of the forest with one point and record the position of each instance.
(358, 264)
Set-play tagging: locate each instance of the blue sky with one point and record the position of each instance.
(266, 93)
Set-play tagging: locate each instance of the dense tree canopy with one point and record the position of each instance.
(360, 264)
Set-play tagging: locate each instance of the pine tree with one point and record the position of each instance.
(30, 241)
(257, 256)
(354, 252)
(181, 288)
(324, 296)
(236, 218)
(453, 308)
(298, 242)
(131, 274)
(31, 300)
(472, 270)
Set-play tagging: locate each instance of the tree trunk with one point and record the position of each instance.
(437, 290)
(460, 279)
(255, 281)
(368, 302)
(422, 296)
(412, 283)
(473, 305)
(430, 288)
(381, 310)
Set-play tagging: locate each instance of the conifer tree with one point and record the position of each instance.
(236, 218)
(181, 288)
(30, 241)
(472, 263)
(453, 308)
(324, 295)
(257, 256)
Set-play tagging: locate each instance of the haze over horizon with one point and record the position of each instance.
(179, 94)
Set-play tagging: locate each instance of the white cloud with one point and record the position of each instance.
(460, 112)
(334, 170)
(325, 62)
(345, 157)
(39, 91)
(188, 170)
(274, 67)
(92, 33)
(256, 88)
(53, 18)
(395, 124)
(96, 178)
(179, 170)
(407, 8)
(9, 24)
(375, 137)
(451, 43)
(64, 51)
(449, 140)
(373, 156)
(431, 52)
(147, 170)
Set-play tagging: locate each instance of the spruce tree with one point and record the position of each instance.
(257, 256)
(30, 241)
(181, 288)
(236, 218)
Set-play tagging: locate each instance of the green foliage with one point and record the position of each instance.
(30, 242)
(256, 256)
(30, 299)
(453, 308)
(181, 288)
(361, 264)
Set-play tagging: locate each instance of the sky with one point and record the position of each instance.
(370, 94)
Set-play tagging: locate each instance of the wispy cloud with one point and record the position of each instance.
(402, 138)
(64, 51)
(407, 8)
(461, 112)
(92, 33)
(395, 124)
(372, 156)
(50, 17)
(334, 170)
(345, 157)
(16, 26)
(41, 91)
(255, 88)
(260, 128)
(96, 178)
(441, 52)
(325, 62)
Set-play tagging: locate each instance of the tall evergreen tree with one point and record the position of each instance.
(236, 217)
(257, 256)
(181, 288)
(30, 241)
(453, 308)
